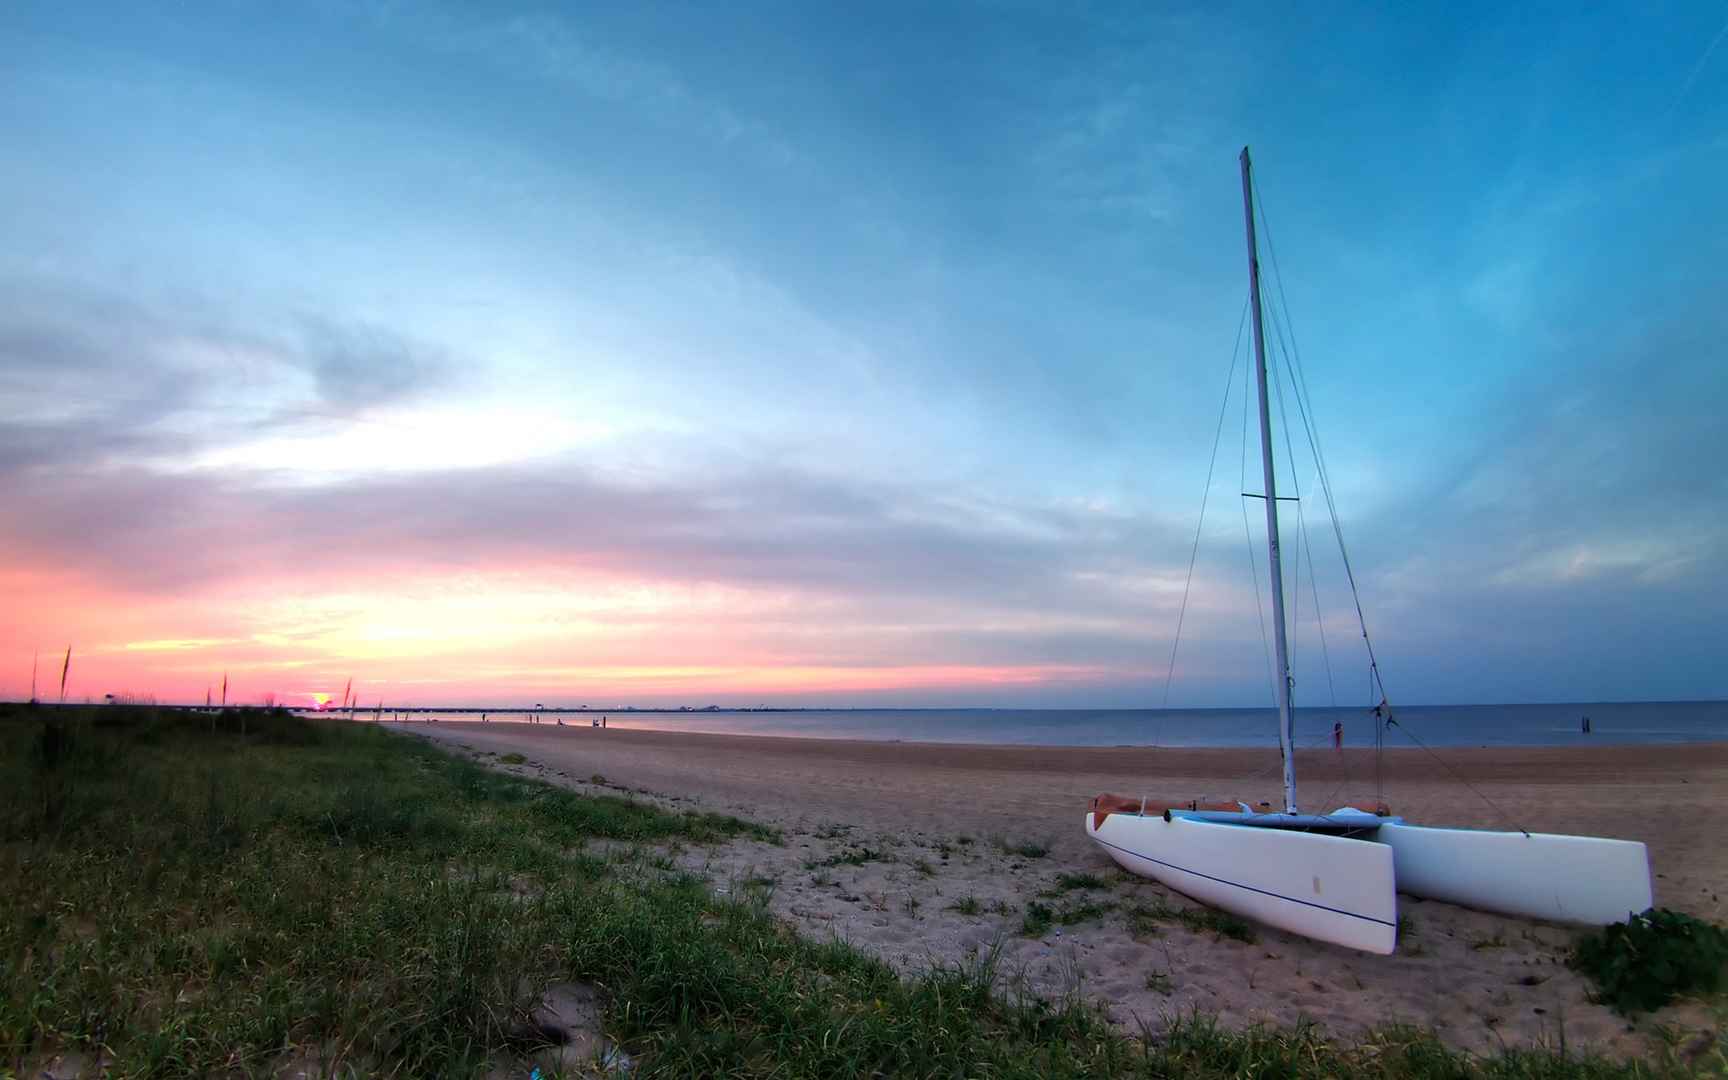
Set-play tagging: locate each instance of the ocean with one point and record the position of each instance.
(1434, 725)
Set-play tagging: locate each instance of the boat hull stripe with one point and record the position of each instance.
(1250, 888)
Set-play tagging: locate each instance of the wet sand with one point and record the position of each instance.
(932, 821)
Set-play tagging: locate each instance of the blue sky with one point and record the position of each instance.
(816, 355)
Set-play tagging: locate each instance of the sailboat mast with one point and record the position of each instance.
(1286, 728)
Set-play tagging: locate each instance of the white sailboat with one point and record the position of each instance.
(1335, 876)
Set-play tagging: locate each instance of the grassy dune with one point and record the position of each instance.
(183, 899)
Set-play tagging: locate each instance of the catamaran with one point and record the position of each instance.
(1336, 876)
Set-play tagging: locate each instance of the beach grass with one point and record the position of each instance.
(183, 900)
(1025, 849)
(1069, 882)
(1040, 917)
(1147, 919)
(854, 856)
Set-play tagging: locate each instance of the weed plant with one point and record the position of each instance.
(1644, 962)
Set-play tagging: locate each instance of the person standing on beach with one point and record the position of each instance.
(1338, 735)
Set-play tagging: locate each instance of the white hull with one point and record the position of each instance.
(1579, 879)
(1344, 890)
(1320, 886)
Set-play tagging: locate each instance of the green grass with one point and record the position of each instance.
(1026, 849)
(1037, 920)
(199, 903)
(1148, 919)
(967, 905)
(1040, 917)
(1069, 882)
(512, 759)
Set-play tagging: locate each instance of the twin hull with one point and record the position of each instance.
(1345, 890)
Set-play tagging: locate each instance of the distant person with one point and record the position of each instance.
(1338, 735)
(602, 721)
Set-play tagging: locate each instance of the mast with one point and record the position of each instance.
(1286, 728)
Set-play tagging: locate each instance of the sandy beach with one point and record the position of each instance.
(885, 841)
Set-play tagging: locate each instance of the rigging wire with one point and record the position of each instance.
(1456, 775)
(1217, 436)
(1248, 535)
(1319, 620)
(1331, 798)
(1305, 410)
(1295, 481)
(1310, 427)
(1301, 514)
(1304, 404)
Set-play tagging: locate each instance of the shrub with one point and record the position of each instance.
(1642, 963)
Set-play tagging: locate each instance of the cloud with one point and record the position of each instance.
(1568, 551)
(359, 366)
(560, 52)
(1485, 578)
(93, 378)
(764, 527)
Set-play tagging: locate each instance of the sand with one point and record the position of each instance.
(931, 822)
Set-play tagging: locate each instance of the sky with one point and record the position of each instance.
(866, 355)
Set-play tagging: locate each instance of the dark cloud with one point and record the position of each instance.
(356, 366)
(772, 529)
(126, 381)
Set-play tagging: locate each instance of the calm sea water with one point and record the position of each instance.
(1435, 725)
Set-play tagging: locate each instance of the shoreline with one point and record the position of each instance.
(1038, 756)
(922, 853)
(1614, 724)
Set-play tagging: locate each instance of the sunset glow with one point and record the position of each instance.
(657, 362)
